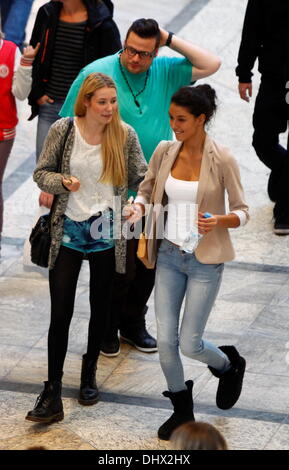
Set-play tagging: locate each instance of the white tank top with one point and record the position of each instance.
(182, 209)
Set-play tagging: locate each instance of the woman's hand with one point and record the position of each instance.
(206, 225)
(133, 212)
(44, 99)
(46, 199)
(72, 183)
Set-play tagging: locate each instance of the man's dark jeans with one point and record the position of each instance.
(270, 119)
(131, 292)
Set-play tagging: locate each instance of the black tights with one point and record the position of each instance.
(63, 281)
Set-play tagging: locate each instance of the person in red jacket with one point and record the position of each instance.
(15, 82)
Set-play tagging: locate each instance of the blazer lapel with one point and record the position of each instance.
(205, 170)
(168, 161)
(165, 168)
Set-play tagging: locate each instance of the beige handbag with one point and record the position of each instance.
(142, 251)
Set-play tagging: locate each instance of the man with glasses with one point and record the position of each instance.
(145, 85)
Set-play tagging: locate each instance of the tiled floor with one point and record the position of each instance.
(131, 384)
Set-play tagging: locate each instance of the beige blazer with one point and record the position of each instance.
(219, 174)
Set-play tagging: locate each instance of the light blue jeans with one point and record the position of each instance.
(180, 274)
(48, 114)
(15, 14)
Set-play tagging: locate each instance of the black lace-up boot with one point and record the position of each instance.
(88, 394)
(48, 407)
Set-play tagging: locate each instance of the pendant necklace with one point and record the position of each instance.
(130, 89)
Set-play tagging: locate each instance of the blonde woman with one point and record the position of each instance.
(101, 159)
(192, 172)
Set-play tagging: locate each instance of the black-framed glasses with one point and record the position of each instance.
(131, 52)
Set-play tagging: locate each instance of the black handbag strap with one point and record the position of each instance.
(70, 123)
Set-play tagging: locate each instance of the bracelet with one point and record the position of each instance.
(169, 40)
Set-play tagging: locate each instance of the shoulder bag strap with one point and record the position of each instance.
(70, 123)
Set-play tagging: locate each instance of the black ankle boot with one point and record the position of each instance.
(230, 382)
(88, 394)
(183, 410)
(48, 407)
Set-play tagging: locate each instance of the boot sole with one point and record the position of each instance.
(110, 354)
(281, 231)
(145, 350)
(52, 419)
(88, 402)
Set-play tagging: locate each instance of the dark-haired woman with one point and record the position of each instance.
(193, 170)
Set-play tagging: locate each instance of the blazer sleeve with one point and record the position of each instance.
(233, 185)
(46, 174)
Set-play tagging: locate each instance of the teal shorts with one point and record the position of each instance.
(88, 236)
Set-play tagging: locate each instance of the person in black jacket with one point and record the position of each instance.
(72, 33)
(265, 35)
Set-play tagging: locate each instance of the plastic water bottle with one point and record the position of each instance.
(191, 241)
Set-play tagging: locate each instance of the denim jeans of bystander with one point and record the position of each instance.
(14, 17)
(48, 114)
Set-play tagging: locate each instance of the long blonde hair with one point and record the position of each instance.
(115, 133)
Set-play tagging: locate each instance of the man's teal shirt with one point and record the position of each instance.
(166, 76)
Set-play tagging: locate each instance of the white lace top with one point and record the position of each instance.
(86, 166)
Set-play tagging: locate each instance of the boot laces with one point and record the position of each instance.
(42, 400)
(38, 399)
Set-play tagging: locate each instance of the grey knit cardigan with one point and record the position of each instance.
(48, 178)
